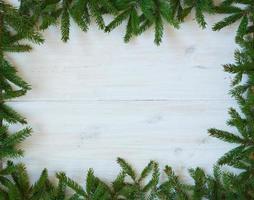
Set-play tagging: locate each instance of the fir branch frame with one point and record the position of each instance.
(33, 16)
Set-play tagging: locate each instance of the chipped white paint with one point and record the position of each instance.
(96, 98)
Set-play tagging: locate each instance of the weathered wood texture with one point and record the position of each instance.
(96, 98)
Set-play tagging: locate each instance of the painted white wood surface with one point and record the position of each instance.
(96, 98)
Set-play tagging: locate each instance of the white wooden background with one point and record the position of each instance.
(96, 98)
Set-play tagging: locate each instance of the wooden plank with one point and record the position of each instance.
(96, 98)
(73, 136)
(94, 66)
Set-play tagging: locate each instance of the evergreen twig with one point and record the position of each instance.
(17, 25)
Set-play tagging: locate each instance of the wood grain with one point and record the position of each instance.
(96, 98)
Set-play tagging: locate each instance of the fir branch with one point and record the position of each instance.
(199, 189)
(119, 182)
(9, 142)
(95, 11)
(231, 156)
(17, 25)
(127, 168)
(11, 116)
(146, 171)
(152, 184)
(227, 21)
(201, 7)
(18, 137)
(226, 136)
(65, 21)
(72, 184)
(17, 48)
(80, 14)
(10, 73)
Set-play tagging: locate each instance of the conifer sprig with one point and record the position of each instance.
(139, 15)
(242, 13)
(241, 156)
(14, 28)
(18, 187)
(33, 16)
